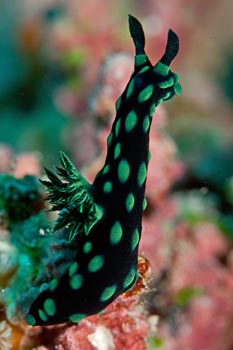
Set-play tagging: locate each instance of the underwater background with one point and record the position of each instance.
(62, 67)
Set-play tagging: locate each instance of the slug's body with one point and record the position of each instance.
(105, 218)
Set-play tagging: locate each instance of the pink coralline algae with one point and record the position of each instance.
(202, 286)
(27, 163)
(113, 78)
(120, 326)
(157, 237)
(196, 262)
(168, 168)
(5, 158)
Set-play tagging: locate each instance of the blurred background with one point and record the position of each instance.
(63, 64)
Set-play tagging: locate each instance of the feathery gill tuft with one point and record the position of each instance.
(70, 193)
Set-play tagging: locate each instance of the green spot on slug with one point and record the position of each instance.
(152, 109)
(117, 127)
(176, 76)
(140, 60)
(73, 268)
(49, 307)
(76, 317)
(106, 169)
(169, 98)
(87, 247)
(99, 212)
(167, 83)
(53, 284)
(117, 150)
(149, 156)
(116, 233)
(109, 140)
(130, 88)
(130, 278)
(166, 95)
(96, 263)
(43, 287)
(76, 281)
(107, 187)
(177, 88)
(130, 121)
(135, 239)
(42, 315)
(161, 69)
(144, 204)
(142, 172)
(159, 102)
(144, 69)
(129, 203)
(118, 103)
(146, 124)
(30, 320)
(123, 170)
(146, 93)
(107, 293)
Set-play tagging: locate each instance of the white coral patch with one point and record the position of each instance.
(102, 339)
(5, 336)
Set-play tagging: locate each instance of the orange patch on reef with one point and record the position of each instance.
(144, 277)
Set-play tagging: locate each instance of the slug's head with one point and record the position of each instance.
(164, 81)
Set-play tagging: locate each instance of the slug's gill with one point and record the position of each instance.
(104, 219)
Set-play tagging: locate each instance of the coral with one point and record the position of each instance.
(27, 163)
(122, 324)
(102, 338)
(195, 289)
(5, 158)
(20, 198)
(113, 326)
(168, 167)
(29, 254)
(5, 336)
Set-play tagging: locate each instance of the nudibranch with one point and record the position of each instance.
(104, 219)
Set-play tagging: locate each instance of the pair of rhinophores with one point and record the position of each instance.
(104, 219)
